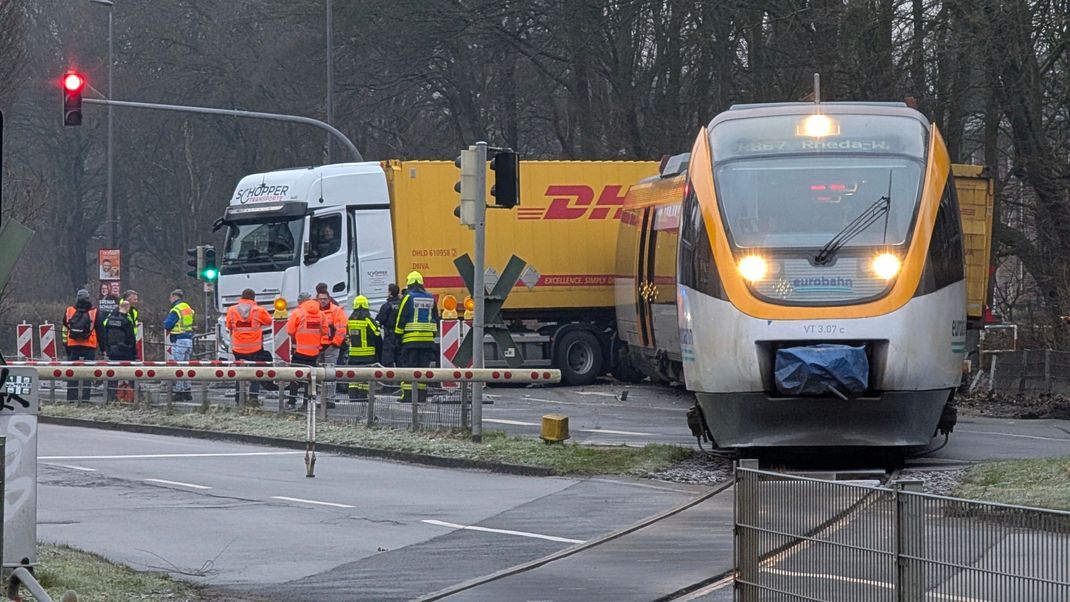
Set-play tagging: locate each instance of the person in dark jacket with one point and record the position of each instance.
(387, 318)
(119, 340)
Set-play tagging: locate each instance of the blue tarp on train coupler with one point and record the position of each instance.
(821, 370)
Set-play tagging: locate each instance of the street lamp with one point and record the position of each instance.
(330, 73)
(111, 207)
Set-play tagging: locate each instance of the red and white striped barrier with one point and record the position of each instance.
(47, 334)
(24, 349)
(280, 341)
(214, 371)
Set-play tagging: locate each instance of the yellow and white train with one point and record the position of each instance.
(802, 271)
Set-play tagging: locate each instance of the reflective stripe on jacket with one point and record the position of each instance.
(416, 317)
(246, 321)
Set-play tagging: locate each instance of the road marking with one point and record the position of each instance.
(502, 531)
(609, 432)
(880, 584)
(151, 456)
(178, 483)
(511, 422)
(1064, 439)
(301, 501)
(71, 466)
(613, 395)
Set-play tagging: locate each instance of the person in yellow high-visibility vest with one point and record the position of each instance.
(417, 325)
(179, 327)
(365, 342)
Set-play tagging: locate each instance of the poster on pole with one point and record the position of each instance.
(110, 263)
(108, 297)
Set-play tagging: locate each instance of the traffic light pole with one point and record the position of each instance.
(479, 290)
(237, 113)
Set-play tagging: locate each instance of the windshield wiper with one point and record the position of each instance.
(881, 208)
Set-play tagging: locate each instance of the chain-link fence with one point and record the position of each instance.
(1024, 372)
(808, 539)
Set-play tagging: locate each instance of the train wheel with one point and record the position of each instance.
(578, 355)
(626, 371)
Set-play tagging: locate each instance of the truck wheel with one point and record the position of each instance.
(578, 356)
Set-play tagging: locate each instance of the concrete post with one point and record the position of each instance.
(372, 386)
(480, 292)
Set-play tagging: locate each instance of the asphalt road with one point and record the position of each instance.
(246, 518)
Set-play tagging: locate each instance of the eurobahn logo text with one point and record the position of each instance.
(578, 202)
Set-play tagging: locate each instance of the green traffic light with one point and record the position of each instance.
(210, 274)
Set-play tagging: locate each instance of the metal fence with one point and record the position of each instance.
(1025, 372)
(799, 538)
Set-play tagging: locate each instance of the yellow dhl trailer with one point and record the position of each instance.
(976, 195)
(565, 228)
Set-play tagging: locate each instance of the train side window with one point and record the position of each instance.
(696, 267)
(945, 249)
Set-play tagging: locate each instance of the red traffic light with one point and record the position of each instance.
(73, 82)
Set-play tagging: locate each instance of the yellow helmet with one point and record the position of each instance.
(360, 302)
(414, 278)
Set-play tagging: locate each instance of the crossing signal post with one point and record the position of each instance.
(73, 84)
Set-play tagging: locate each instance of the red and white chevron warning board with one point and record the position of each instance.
(280, 340)
(25, 341)
(452, 333)
(47, 332)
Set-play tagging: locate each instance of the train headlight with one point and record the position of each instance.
(886, 266)
(753, 268)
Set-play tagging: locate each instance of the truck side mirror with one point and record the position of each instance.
(310, 258)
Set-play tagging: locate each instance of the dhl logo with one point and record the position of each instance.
(577, 202)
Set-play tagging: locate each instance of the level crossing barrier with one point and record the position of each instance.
(379, 406)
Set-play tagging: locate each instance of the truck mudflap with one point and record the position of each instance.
(820, 369)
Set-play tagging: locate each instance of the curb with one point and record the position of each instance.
(346, 450)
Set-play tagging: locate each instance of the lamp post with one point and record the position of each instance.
(330, 75)
(110, 204)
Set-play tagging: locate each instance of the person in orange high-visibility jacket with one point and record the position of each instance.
(246, 321)
(307, 326)
(81, 323)
(332, 342)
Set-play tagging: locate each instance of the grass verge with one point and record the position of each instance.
(61, 568)
(565, 459)
(1044, 483)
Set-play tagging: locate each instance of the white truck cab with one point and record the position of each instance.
(288, 230)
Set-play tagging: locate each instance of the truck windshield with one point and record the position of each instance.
(262, 247)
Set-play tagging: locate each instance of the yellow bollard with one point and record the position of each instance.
(554, 428)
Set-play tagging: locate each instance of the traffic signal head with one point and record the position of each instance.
(210, 272)
(469, 164)
(195, 261)
(73, 83)
(506, 189)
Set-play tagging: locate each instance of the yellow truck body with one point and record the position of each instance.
(565, 228)
(976, 196)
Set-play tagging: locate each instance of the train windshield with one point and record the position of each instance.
(262, 246)
(785, 183)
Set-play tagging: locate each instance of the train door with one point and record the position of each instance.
(625, 284)
(665, 330)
